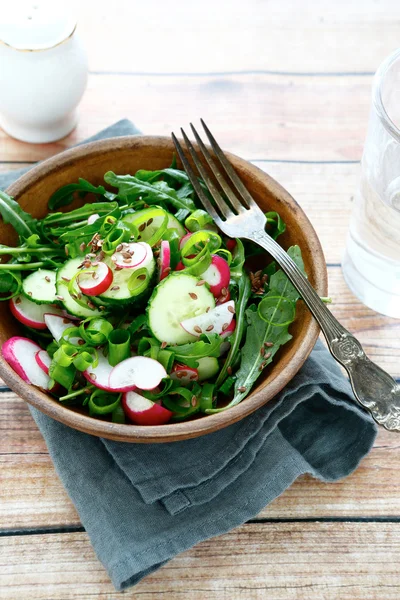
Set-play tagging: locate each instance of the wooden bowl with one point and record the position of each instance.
(127, 155)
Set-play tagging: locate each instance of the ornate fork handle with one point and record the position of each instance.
(373, 388)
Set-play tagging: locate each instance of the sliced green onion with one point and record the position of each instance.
(119, 346)
(52, 348)
(103, 403)
(183, 403)
(137, 324)
(120, 234)
(138, 281)
(199, 264)
(225, 254)
(172, 236)
(63, 375)
(151, 223)
(167, 385)
(118, 415)
(85, 359)
(146, 344)
(71, 333)
(95, 331)
(166, 358)
(207, 396)
(107, 226)
(199, 219)
(227, 385)
(65, 355)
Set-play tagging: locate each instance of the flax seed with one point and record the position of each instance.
(87, 264)
(74, 296)
(210, 328)
(93, 376)
(102, 307)
(119, 247)
(115, 288)
(18, 301)
(60, 297)
(193, 295)
(225, 326)
(231, 309)
(224, 292)
(268, 355)
(126, 255)
(149, 222)
(229, 370)
(95, 276)
(208, 308)
(242, 389)
(76, 385)
(29, 293)
(201, 282)
(142, 277)
(79, 296)
(65, 279)
(268, 344)
(197, 329)
(91, 305)
(66, 250)
(192, 377)
(262, 351)
(126, 260)
(82, 247)
(163, 345)
(142, 227)
(81, 342)
(118, 268)
(194, 401)
(66, 321)
(47, 278)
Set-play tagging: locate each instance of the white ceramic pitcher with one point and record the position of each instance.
(43, 70)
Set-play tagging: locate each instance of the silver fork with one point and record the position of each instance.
(373, 388)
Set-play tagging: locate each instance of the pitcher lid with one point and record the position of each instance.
(37, 25)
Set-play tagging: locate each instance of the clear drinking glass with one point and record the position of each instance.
(371, 265)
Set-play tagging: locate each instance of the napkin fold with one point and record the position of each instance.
(142, 504)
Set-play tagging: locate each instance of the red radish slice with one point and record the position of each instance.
(131, 255)
(216, 320)
(165, 260)
(96, 282)
(100, 374)
(184, 239)
(185, 375)
(136, 372)
(229, 330)
(57, 325)
(43, 360)
(20, 354)
(230, 244)
(93, 218)
(217, 275)
(31, 314)
(180, 266)
(223, 299)
(142, 411)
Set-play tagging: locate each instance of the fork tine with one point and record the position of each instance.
(230, 171)
(219, 201)
(237, 205)
(195, 182)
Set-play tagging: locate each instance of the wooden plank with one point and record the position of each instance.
(349, 561)
(233, 36)
(254, 116)
(32, 495)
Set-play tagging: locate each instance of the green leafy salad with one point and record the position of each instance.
(136, 306)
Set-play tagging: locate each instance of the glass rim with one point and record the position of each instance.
(377, 94)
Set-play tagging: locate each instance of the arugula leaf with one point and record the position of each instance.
(10, 284)
(130, 188)
(23, 223)
(255, 355)
(208, 345)
(275, 224)
(65, 194)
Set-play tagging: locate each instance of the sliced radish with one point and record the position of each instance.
(222, 299)
(136, 372)
(43, 360)
(217, 275)
(185, 375)
(231, 244)
(180, 266)
(216, 320)
(165, 260)
(20, 354)
(57, 325)
(31, 314)
(93, 218)
(184, 240)
(142, 411)
(100, 374)
(97, 281)
(131, 255)
(229, 330)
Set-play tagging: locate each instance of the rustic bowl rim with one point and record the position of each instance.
(188, 429)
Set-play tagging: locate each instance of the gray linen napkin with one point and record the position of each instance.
(142, 504)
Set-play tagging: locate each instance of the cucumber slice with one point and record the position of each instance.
(176, 298)
(40, 287)
(64, 275)
(208, 367)
(119, 292)
(173, 223)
